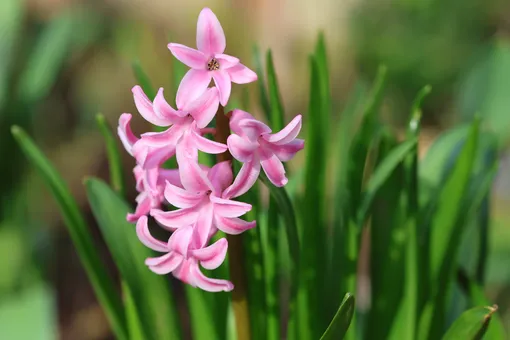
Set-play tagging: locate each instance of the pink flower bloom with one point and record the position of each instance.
(255, 145)
(151, 184)
(182, 259)
(188, 122)
(201, 203)
(209, 62)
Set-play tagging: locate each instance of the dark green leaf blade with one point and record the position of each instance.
(471, 325)
(96, 271)
(340, 323)
(150, 292)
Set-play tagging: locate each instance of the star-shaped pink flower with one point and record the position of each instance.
(201, 203)
(181, 259)
(209, 62)
(255, 145)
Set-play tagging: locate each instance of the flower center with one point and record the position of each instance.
(213, 65)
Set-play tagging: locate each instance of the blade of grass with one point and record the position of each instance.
(150, 292)
(340, 323)
(82, 240)
(472, 324)
(143, 79)
(263, 96)
(496, 330)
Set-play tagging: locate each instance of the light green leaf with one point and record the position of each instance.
(340, 323)
(150, 292)
(471, 325)
(496, 330)
(80, 235)
(113, 153)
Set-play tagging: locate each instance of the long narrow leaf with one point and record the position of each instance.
(80, 235)
(151, 293)
(471, 325)
(340, 323)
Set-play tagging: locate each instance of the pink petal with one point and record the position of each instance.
(171, 176)
(180, 240)
(144, 106)
(189, 56)
(204, 108)
(138, 171)
(287, 151)
(222, 81)
(274, 170)
(203, 282)
(287, 134)
(182, 272)
(233, 226)
(226, 61)
(164, 264)
(207, 145)
(149, 156)
(241, 74)
(143, 207)
(213, 256)
(244, 180)
(176, 218)
(151, 181)
(181, 198)
(203, 226)
(193, 178)
(192, 85)
(229, 208)
(165, 111)
(210, 37)
(144, 235)
(125, 134)
(221, 175)
(253, 128)
(241, 148)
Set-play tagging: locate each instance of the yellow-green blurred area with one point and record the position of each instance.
(63, 61)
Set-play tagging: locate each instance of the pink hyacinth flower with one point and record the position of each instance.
(201, 203)
(209, 62)
(188, 121)
(255, 145)
(182, 260)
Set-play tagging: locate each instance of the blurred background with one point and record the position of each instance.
(63, 61)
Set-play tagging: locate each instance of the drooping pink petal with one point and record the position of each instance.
(222, 81)
(181, 198)
(213, 256)
(138, 171)
(125, 134)
(226, 61)
(236, 116)
(233, 226)
(241, 74)
(203, 226)
(207, 145)
(241, 148)
(210, 36)
(142, 208)
(287, 134)
(189, 56)
(204, 108)
(164, 264)
(193, 178)
(201, 281)
(151, 177)
(221, 176)
(192, 85)
(182, 272)
(229, 208)
(175, 219)
(171, 176)
(244, 180)
(165, 111)
(144, 235)
(287, 151)
(144, 106)
(274, 170)
(149, 156)
(180, 240)
(253, 128)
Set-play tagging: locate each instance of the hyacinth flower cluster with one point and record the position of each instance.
(202, 198)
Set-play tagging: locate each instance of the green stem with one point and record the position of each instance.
(235, 247)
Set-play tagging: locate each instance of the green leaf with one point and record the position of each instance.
(80, 235)
(150, 292)
(203, 326)
(276, 106)
(143, 79)
(496, 330)
(471, 325)
(113, 153)
(381, 174)
(445, 232)
(263, 96)
(340, 323)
